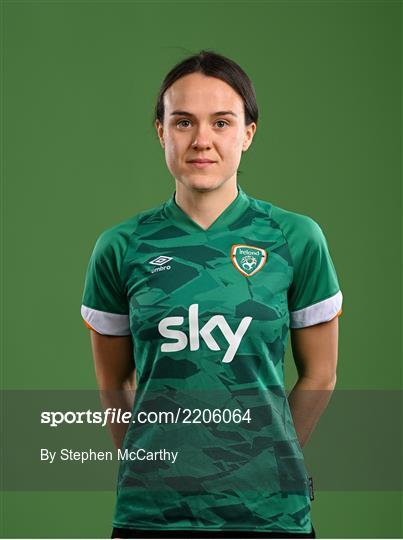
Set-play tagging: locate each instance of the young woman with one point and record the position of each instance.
(189, 306)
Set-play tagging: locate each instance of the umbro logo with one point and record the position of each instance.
(160, 263)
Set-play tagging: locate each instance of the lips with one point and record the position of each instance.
(201, 161)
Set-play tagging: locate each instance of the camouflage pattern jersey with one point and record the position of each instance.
(209, 313)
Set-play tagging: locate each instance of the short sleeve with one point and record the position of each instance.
(104, 305)
(314, 294)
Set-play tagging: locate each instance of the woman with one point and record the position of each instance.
(197, 296)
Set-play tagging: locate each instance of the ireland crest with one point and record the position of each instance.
(248, 259)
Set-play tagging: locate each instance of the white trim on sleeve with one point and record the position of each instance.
(320, 312)
(109, 324)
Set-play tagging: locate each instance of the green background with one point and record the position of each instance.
(79, 154)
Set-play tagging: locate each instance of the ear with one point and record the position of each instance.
(160, 132)
(249, 133)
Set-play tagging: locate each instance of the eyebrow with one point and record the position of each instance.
(219, 113)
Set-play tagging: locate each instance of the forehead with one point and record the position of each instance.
(198, 93)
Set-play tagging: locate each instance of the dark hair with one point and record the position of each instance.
(212, 64)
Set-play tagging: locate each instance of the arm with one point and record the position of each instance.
(315, 354)
(115, 373)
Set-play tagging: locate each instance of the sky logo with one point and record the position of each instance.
(233, 339)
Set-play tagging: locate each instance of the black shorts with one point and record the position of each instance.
(136, 533)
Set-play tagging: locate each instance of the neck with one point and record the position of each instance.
(204, 207)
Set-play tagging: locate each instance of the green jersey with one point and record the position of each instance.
(212, 445)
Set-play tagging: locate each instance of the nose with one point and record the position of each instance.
(202, 138)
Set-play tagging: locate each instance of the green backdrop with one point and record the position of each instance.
(79, 154)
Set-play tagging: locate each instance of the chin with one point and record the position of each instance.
(203, 183)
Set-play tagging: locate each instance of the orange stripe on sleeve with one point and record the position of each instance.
(88, 325)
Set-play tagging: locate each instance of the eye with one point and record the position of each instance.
(181, 123)
(222, 122)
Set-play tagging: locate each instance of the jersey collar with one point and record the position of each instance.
(226, 218)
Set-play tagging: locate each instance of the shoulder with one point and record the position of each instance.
(118, 236)
(292, 224)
